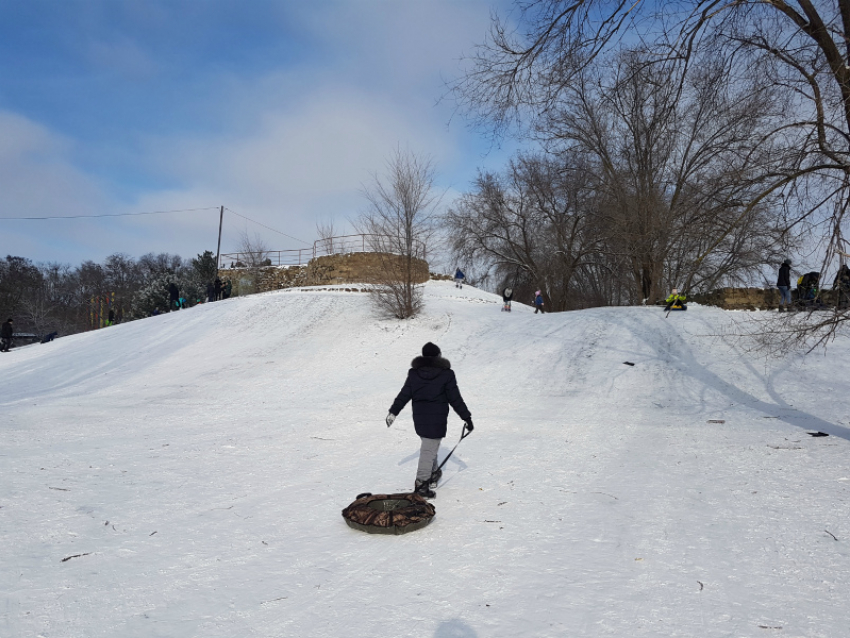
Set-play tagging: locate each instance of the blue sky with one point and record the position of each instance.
(279, 110)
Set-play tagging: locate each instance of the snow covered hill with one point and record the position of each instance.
(183, 476)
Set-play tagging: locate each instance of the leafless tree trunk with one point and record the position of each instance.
(400, 224)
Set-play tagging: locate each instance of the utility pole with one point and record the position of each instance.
(218, 250)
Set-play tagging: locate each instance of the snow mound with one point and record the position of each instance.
(183, 475)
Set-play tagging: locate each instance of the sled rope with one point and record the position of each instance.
(465, 433)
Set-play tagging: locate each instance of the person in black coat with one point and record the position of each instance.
(217, 289)
(507, 296)
(173, 296)
(841, 286)
(6, 332)
(783, 282)
(432, 386)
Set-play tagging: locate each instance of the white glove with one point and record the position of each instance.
(390, 419)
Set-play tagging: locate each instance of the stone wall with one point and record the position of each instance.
(329, 270)
(739, 298)
(366, 268)
(751, 298)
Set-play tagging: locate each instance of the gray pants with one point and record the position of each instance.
(427, 459)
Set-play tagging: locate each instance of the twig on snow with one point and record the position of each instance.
(701, 586)
(67, 558)
(831, 534)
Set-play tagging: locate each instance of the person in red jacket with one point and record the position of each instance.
(432, 387)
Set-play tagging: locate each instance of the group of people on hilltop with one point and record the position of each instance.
(840, 285)
(216, 291)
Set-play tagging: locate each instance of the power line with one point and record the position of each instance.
(267, 227)
(154, 212)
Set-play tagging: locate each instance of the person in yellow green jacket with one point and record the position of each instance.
(675, 301)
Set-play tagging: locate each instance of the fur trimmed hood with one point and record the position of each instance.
(430, 362)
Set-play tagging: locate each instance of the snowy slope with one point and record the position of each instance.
(196, 465)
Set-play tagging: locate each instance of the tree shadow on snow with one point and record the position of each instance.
(779, 410)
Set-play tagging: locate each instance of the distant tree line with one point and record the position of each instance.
(49, 297)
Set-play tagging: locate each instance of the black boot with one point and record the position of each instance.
(424, 491)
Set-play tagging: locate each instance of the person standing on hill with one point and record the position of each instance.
(459, 277)
(173, 296)
(783, 282)
(507, 296)
(538, 303)
(841, 286)
(217, 288)
(6, 332)
(432, 386)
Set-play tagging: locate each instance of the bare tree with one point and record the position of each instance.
(400, 224)
(674, 168)
(253, 257)
(326, 232)
(531, 227)
(642, 188)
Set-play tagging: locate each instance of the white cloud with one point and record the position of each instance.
(38, 178)
(288, 147)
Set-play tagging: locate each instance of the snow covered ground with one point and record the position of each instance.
(183, 476)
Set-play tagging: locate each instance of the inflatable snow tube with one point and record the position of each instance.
(389, 513)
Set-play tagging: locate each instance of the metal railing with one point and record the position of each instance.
(362, 243)
(294, 257)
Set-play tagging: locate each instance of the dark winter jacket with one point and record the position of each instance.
(432, 386)
(784, 276)
(6, 330)
(507, 295)
(538, 300)
(173, 292)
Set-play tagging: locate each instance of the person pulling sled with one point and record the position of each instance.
(432, 387)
